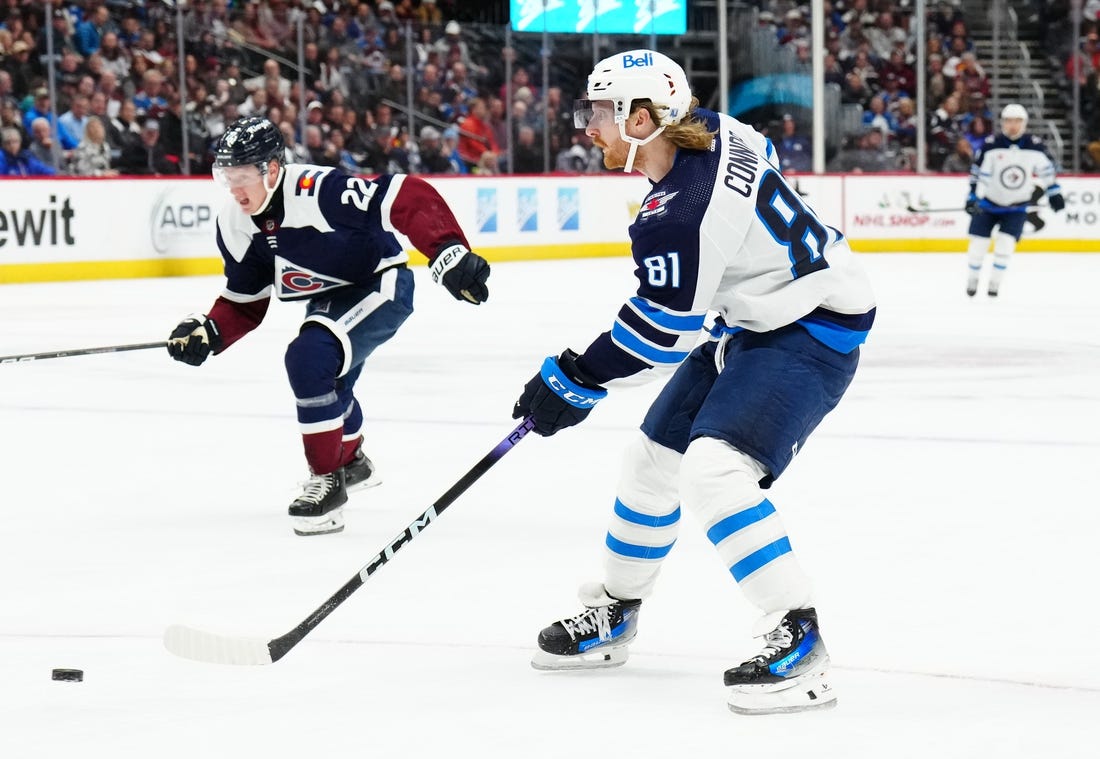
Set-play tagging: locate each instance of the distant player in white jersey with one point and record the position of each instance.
(1011, 170)
(329, 240)
(722, 232)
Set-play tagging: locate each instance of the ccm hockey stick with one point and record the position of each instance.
(80, 352)
(221, 649)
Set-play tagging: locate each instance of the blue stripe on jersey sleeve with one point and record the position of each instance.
(670, 322)
(631, 343)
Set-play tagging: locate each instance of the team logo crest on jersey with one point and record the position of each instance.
(307, 183)
(656, 204)
(1013, 177)
(293, 281)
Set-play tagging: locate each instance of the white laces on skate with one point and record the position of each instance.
(590, 620)
(776, 641)
(317, 487)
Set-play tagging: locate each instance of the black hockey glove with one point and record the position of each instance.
(1057, 202)
(559, 396)
(971, 204)
(193, 340)
(462, 272)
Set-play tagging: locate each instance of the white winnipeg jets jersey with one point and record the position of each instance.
(724, 232)
(1007, 172)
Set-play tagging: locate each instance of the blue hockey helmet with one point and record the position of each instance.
(252, 140)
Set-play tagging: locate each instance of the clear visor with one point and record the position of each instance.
(592, 113)
(232, 177)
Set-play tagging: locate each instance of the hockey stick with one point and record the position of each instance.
(80, 352)
(912, 209)
(221, 649)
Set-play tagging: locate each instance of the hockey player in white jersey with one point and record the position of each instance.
(722, 232)
(1011, 170)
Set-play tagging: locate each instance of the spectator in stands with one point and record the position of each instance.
(76, 118)
(903, 74)
(19, 66)
(905, 129)
(125, 129)
(856, 90)
(581, 157)
(62, 33)
(972, 75)
(17, 162)
(977, 130)
(450, 150)
(40, 109)
(295, 150)
(431, 159)
(944, 131)
(429, 16)
(477, 136)
(794, 149)
(315, 146)
(961, 159)
(867, 154)
(526, 152)
(451, 47)
(42, 144)
(884, 35)
(150, 99)
(92, 157)
(89, 33)
(147, 156)
(937, 82)
(877, 117)
(861, 64)
(11, 118)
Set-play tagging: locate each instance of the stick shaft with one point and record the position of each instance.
(281, 645)
(80, 352)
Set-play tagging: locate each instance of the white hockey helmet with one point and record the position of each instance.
(641, 75)
(637, 75)
(1014, 111)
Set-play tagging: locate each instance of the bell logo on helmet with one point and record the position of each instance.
(630, 61)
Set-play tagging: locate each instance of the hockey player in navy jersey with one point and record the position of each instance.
(1011, 170)
(316, 234)
(720, 231)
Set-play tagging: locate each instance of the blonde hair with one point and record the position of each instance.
(689, 132)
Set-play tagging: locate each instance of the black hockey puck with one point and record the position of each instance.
(69, 675)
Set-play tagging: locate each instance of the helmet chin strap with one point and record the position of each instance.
(635, 143)
(270, 190)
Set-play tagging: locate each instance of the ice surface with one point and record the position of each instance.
(947, 510)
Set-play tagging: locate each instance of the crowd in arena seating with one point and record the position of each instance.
(870, 55)
(120, 108)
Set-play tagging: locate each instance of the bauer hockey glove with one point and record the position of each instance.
(559, 396)
(462, 272)
(193, 340)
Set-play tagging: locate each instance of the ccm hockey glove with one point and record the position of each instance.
(559, 396)
(462, 272)
(193, 340)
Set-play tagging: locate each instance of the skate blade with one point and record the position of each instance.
(604, 658)
(371, 482)
(804, 693)
(328, 524)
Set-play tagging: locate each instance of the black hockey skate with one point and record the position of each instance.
(319, 509)
(360, 473)
(594, 639)
(789, 675)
